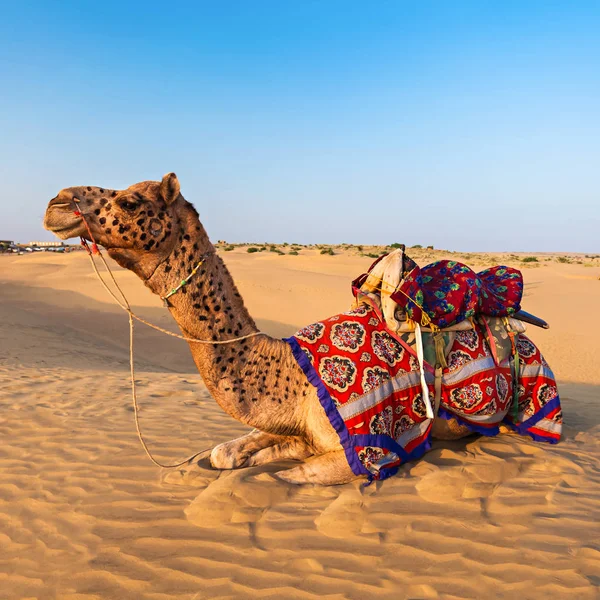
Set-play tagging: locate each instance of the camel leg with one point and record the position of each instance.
(292, 448)
(235, 453)
(449, 430)
(331, 468)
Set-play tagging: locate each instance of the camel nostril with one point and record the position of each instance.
(63, 202)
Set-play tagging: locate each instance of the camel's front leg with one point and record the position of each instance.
(331, 468)
(234, 454)
(291, 448)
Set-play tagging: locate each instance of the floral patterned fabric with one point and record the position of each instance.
(368, 383)
(449, 292)
(501, 291)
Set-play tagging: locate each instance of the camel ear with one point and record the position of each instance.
(169, 188)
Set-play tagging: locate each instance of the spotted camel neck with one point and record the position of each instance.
(250, 379)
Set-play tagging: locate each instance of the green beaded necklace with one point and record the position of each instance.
(183, 283)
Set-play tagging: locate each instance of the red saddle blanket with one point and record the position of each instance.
(368, 383)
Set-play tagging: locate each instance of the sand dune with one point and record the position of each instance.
(84, 515)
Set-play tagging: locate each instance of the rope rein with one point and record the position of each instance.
(127, 309)
(124, 304)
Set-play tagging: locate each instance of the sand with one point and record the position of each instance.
(85, 515)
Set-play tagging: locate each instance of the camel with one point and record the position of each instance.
(150, 229)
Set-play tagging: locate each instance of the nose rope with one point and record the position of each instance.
(124, 304)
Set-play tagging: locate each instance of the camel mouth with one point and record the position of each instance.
(62, 221)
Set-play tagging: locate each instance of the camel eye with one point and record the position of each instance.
(127, 205)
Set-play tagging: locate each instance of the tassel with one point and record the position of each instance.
(420, 357)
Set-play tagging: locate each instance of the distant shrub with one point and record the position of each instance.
(372, 255)
(252, 249)
(429, 247)
(328, 251)
(293, 252)
(417, 246)
(228, 248)
(397, 245)
(529, 259)
(563, 259)
(262, 248)
(272, 248)
(359, 248)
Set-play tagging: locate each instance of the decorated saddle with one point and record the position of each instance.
(381, 387)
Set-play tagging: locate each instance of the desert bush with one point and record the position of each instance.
(228, 248)
(328, 251)
(529, 259)
(293, 252)
(563, 259)
(252, 249)
(417, 246)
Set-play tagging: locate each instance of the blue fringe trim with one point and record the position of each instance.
(523, 428)
(389, 443)
(328, 406)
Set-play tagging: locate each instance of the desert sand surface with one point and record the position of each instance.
(84, 515)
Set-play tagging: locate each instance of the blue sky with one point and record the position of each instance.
(467, 125)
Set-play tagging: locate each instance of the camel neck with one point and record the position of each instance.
(210, 307)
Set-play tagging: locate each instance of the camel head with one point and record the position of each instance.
(136, 226)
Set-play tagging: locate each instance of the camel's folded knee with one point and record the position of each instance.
(227, 456)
